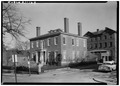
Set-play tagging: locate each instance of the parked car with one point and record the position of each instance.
(107, 66)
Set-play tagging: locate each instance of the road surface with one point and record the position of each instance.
(63, 75)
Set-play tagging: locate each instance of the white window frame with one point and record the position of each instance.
(84, 42)
(37, 44)
(48, 42)
(32, 44)
(41, 44)
(55, 53)
(55, 39)
(48, 55)
(73, 55)
(73, 40)
(63, 40)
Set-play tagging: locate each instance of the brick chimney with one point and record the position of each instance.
(97, 30)
(66, 25)
(79, 29)
(37, 31)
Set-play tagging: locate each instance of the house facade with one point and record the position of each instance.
(71, 46)
(103, 44)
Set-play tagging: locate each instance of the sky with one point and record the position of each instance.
(50, 16)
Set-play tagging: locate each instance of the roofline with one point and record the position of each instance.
(53, 34)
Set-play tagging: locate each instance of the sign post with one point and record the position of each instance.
(14, 60)
(29, 65)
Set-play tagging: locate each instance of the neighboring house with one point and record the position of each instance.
(71, 46)
(103, 44)
(20, 55)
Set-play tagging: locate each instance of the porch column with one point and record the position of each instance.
(36, 57)
(41, 57)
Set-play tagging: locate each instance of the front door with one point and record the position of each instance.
(44, 56)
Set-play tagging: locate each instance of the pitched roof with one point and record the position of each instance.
(54, 34)
(100, 32)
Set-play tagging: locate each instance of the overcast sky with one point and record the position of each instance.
(50, 16)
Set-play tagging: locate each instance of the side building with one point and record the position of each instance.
(103, 44)
(72, 47)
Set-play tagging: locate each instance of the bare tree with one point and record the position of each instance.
(13, 22)
(23, 45)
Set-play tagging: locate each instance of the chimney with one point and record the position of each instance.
(79, 29)
(97, 30)
(37, 31)
(66, 25)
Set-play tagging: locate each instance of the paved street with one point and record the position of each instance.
(63, 75)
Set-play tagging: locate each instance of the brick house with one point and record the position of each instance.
(103, 44)
(70, 46)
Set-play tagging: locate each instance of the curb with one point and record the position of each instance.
(103, 81)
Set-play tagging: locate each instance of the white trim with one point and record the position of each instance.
(73, 40)
(31, 44)
(37, 44)
(73, 55)
(63, 40)
(77, 42)
(84, 43)
(55, 54)
(55, 38)
(48, 42)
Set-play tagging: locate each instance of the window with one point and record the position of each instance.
(48, 56)
(84, 42)
(55, 54)
(110, 36)
(41, 44)
(110, 44)
(64, 41)
(90, 46)
(77, 43)
(98, 38)
(100, 45)
(64, 54)
(37, 43)
(105, 45)
(73, 41)
(95, 45)
(32, 44)
(105, 37)
(95, 38)
(55, 40)
(48, 42)
(73, 54)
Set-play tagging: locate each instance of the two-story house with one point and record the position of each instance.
(70, 46)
